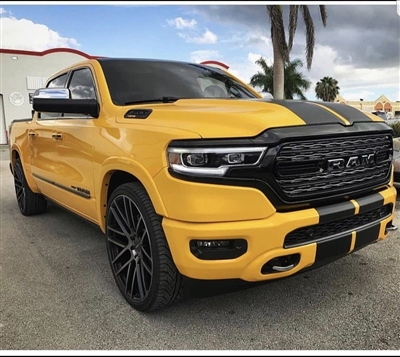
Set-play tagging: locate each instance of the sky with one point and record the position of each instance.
(359, 47)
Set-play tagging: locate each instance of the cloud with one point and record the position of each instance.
(250, 39)
(2, 11)
(354, 80)
(326, 63)
(23, 34)
(181, 23)
(208, 37)
(204, 55)
(368, 34)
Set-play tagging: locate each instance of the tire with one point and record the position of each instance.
(29, 203)
(138, 251)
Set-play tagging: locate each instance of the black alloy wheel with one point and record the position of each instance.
(29, 203)
(138, 251)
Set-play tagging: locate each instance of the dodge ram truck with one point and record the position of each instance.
(191, 174)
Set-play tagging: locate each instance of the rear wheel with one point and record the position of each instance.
(138, 251)
(29, 203)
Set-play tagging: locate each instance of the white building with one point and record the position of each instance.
(22, 72)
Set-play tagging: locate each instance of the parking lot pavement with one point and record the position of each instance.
(57, 293)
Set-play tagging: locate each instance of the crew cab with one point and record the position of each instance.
(192, 174)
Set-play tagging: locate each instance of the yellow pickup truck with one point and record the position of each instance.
(192, 174)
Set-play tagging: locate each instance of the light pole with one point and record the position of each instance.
(361, 100)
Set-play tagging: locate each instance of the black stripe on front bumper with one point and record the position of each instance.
(333, 249)
(371, 202)
(335, 212)
(366, 236)
(340, 219)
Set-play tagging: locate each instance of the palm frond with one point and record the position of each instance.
(324, 15)
(278, 29)
(310, 35)
(293, 15)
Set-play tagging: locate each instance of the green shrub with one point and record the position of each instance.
(396, 129)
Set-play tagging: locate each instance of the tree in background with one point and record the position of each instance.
(294, 81)
(327, 89)
(282, 48)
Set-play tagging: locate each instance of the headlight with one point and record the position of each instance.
(212, 161)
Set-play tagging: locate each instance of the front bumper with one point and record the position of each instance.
(266, 239)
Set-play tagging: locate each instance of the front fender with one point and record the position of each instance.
(134, 168)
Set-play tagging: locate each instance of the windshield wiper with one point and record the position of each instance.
(155, 100)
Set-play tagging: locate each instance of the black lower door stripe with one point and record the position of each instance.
(74, 191)
(367, 236)
(333, 249)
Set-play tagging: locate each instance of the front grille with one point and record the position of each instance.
(320, 231)
(306, 169)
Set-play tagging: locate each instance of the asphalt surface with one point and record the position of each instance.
(58, 293)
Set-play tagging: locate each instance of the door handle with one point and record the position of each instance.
(57, 136)
(31, 133)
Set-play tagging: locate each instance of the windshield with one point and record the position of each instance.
(138, 81)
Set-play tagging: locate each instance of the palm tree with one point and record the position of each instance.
(294, 80)
(327, 89)
(282, 48)
(264, 79)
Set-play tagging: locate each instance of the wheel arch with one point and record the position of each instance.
(117, 172)
(15, 154)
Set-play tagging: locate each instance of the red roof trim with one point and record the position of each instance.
(43, 53)
(223, 65)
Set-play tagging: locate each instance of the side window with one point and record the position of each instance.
(55, 83)
(58, 82)
(82, 84)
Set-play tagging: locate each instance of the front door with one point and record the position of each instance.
(74, 134)
(42, 145)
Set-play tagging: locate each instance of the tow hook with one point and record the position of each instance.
(281, 268)
(391, 227)
(281, 264)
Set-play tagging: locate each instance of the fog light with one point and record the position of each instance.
(212, 243)
(218, 249)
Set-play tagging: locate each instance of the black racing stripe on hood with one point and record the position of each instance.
(349, 113)
(310, 113)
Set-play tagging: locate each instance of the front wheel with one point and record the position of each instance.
(29, 203)
(138, 251)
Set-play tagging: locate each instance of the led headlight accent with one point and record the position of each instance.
(212, 161)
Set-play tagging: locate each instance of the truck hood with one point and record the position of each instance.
(211, 118)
